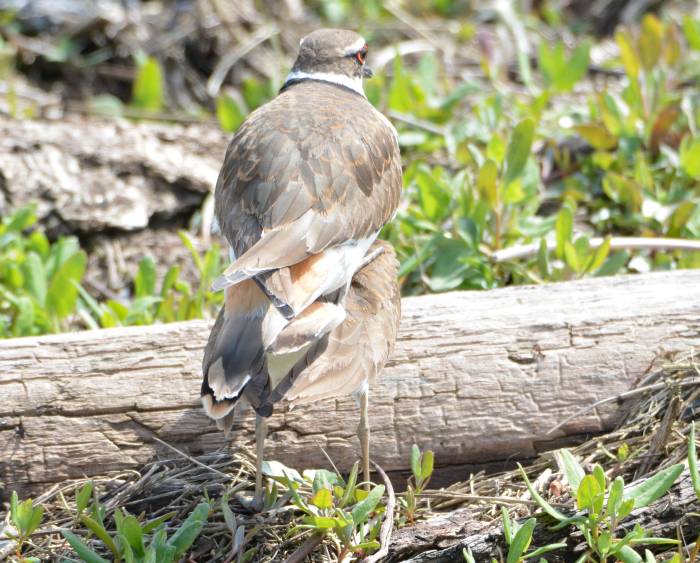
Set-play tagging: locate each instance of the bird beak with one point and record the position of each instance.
(367, 72)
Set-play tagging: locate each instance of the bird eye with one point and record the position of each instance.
(362, 54)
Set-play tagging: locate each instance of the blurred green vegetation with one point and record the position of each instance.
(41, 291)
(554, 146)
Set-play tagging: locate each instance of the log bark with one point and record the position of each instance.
(91, 175)
(442, 538)
(477, 377)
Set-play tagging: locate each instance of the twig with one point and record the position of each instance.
(229, 59)
(388, 524)
(193, 460)
(418, 123)
(622, 396)
(501, 500)
(305, 549)
(616, 243)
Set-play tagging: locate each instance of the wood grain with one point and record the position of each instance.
(476, 376)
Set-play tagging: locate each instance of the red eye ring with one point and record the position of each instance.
(361, 55)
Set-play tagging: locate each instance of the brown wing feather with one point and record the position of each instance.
(315, 167)
(357, 349)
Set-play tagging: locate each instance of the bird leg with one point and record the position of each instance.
(363, 433)
(260, 434)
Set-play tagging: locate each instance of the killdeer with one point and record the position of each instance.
(311, 300)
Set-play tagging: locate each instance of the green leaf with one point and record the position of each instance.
(654, 487)
(521, 541)
(518, 150)
(63, 288)
(145, 280)
(545, 549)
(148, 87)
(543, 259)
(25, 318)
(21, 219)
(693, 461)
(543, 504)
(14, 509)
(597, 136)
(559, 71)
(415, 462)
(588, 493)
(83, 551)
(599, 255)
(679, 218)
(564, 227)
(228, 113)
(35, 277)
(83, 497)
(189, 244)
(628, 555)
(350, 485)
(324, 522)
(615, 262)
(599, 475)
(361, 511)
(507, 529)
(323, 499)
(131, 530)
(571, 257)
(278, 470)
(570, 467)
(628, 54)
(26, 516)
(615, 497)
(691, 30)
(426, 469)
(106, 105)
(487, 183)
(99, 530)
(626, 508)
(649, 42)
(184, 537)
(151, 525)
(690, 156)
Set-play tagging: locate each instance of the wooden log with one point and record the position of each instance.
(476, 376)
(91, 175)
(442, 538)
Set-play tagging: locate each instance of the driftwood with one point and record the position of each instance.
(476, 376)
(95, 175)
(442, 538)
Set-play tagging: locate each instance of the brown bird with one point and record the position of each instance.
(311, 300)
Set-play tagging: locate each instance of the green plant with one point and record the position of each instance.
(39, 280)
(602, 505)
(174, 300)
(131, 541)
(421, 471)
(26, 518)
(519, 537)
(333, 507)
(147, 92)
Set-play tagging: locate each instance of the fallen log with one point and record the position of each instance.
(477, 377)
(442, 538)
(92, 175)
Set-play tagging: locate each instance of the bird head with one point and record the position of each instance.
(332, 55)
